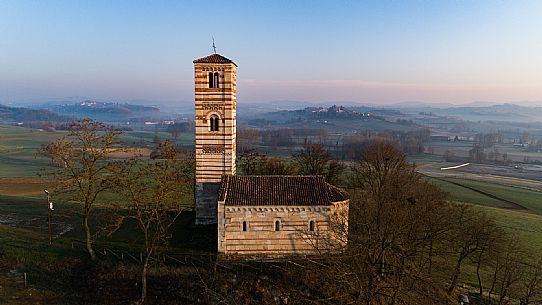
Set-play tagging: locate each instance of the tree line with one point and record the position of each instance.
(345, 147)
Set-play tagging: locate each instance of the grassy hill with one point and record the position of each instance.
(517, 210)
(16, 114)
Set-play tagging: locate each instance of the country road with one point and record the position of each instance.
(434, 170)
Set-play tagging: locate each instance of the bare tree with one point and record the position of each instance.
(507, 270)
(165, 150)
(486, 246)
(530, 285)
(395, 217)
(314, 159)
(472, 234)
(252, 163)
(84, 174)
(155, 190)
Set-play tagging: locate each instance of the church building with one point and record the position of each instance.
(255, 215)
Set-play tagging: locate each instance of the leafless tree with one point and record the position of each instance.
(395, 217)
(155, 190)
(84, 174)
(253, 163)
(507, 269)
(530, 285)
(314, 159)
(473, 233)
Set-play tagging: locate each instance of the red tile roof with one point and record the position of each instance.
(214, 59)
(279, 190)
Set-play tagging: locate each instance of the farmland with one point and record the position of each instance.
(512, 199)
(461, 149)
(515, 203)
(506, 189)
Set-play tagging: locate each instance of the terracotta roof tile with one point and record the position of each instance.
(279, 190)
(214, 59)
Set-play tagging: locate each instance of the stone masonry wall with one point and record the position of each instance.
(260, 238)
(215, 150)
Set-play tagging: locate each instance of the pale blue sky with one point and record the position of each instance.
(377, 52)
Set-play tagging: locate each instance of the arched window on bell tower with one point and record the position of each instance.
(216, 82)
(211, 85)
(214, 123)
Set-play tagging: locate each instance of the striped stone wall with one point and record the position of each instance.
(293, 237)
(215, 150)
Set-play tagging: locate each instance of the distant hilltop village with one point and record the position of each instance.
(337, 109)
(255, 215)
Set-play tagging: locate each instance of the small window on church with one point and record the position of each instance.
(214, 122)
(216, 82)
(211, 80)
(244, 226)
(277, 225)
(311, 225)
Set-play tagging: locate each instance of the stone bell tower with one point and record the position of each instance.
(215, 98)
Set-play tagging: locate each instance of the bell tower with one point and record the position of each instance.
(215, 99)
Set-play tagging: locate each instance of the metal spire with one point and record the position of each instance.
(214, 47)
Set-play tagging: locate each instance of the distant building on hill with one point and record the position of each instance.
(255, 215)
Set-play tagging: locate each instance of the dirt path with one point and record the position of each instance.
(433, 170)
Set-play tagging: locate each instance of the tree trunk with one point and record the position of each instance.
(430, 269)
(493, 283)
(89, 238)
(455, 276)
(478, 275)
(144, 279)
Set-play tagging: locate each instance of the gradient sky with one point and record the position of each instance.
(377, 52)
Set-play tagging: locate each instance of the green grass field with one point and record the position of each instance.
(461, 194)
(525, 227)
(19, 147)
(30, 213)
(423, 158)
(530, 200)
(19, 150)
(146, 137)
(524, 224)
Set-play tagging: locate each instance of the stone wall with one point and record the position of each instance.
(206, 203)
(215, 150)
(294, 235)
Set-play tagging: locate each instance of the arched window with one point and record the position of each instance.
(277, 225)
(211, 85)
(244, 226)
(311, 225)
(214, 123)
(216, 82)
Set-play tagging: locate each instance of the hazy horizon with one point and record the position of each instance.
(276, 104)
(371, 52)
